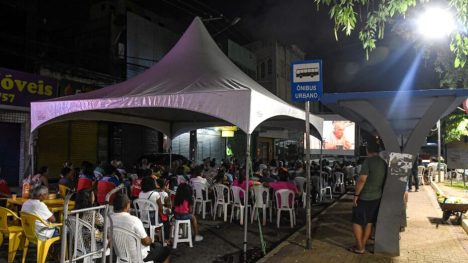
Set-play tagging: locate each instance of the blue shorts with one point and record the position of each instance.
(183, 216)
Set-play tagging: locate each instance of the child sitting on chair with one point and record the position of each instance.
(182, 203)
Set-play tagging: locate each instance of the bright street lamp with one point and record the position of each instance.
(436, 22)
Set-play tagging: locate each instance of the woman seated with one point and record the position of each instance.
(85, 199)
(86, 178)
(41, 177)
(165, 210)
(183, 202)
(182, 177)
(162, 187)
(284, 183)
(68, 178)
(240, 182)
(149, 192)
(4, 189)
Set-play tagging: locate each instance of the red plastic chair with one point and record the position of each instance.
(84, 183)
(104, 187)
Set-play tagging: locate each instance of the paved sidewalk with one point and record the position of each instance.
(423, 241)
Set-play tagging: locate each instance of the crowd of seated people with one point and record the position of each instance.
(168, 187)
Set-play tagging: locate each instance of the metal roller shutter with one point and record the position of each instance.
(52, 147)
(83, 142)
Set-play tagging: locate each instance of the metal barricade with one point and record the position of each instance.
(72, 219)
(122, 188)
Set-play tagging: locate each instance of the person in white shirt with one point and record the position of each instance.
(150, 193)
(163, 189)
(197, 177)
(122, 218)
(36, 207)
(433, 164)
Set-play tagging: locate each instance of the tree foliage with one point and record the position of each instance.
(374, 15)
(456, 127)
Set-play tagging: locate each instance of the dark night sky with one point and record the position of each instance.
(290, 22)
(345, 67)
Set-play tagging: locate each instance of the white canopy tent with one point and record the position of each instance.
(195, 85)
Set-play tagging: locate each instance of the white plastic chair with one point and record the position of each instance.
(223, 199)
(238, 203)
(127, 246)
(201, 199)
(300, 183)
(350, 174)
(285, 202)
(261, 200)
(182, 232)
(181, 180)
(324, 187)
(79, 249)
(430, 173)
(143, 208)
(339, 182)
(421, 170)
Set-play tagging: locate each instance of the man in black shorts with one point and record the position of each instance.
(367, 196)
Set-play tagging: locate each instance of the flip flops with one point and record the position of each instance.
(356, 251)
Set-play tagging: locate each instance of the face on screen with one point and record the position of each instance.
(338, 138)
(338, 130)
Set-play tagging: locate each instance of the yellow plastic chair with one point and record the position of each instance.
(14, 233)
(63, 190)
(28, 221)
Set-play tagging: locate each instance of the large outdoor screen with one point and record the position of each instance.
(338, 138)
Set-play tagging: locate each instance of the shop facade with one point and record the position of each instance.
(17, 90)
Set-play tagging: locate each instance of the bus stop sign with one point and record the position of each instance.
(306, 81)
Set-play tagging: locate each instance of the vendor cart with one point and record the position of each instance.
(449, 209)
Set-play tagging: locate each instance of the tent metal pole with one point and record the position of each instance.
(308, 189)
(32, 152)
(321, 166)
(246, 196)
(170, 155)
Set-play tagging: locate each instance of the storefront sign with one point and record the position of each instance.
(20, 88)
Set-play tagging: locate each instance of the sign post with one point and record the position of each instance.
(307, 85)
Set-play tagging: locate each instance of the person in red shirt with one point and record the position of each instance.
(4, 189)
(107, 184)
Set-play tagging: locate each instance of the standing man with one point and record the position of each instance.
(414, 175)
(367, 197)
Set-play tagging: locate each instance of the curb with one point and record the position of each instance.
(436, 188)
(464, 224)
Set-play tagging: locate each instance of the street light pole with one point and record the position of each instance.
(438, 150)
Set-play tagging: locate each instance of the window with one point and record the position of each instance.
(270, 67)
(262, 70)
